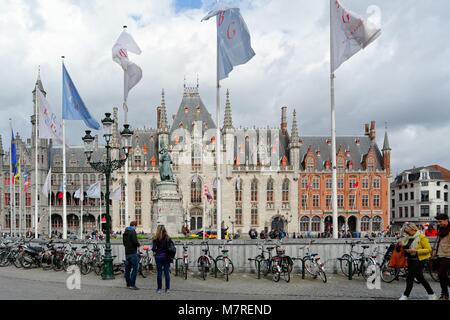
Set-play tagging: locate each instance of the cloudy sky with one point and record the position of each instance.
(402, 78)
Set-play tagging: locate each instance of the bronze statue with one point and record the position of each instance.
(165, 170)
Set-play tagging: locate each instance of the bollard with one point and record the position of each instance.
(350, 269)
(303, 268)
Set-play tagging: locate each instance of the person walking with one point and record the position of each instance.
(131, 244)
(160, 248)
(417, 249)
(443, 254)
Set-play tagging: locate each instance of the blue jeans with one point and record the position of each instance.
(131, 269)
(163, 264)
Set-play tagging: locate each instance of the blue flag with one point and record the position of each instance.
(73, 105)
(13, 155)
(235, 46)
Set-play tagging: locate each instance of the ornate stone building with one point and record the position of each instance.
(271, 177)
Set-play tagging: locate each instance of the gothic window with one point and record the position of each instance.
(270, 198)
(92, 178)
(254, 191)
(316, 183)
(85, 179)
(196, 190)
(340, 201)
(315, 224)
(370, 164)
(376, 201)
(365, 224)
(309, 164)
(138, 215)
(138, 191)
(376, 183)
(77, 179)
(285, 190)
(377, 224)
(238, 190)
(137, 161)
(304, 224)
(254, 215)
(122, 186)
(196, 158)
(238, 216)
(341, 165)
(305, 183)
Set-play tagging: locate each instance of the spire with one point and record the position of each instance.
(228, 121)
(386, 146)
(39, 83)
(163, 113)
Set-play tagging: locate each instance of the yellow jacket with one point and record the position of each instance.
(424, 248)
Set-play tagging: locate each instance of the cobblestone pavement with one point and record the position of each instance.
(39, 284)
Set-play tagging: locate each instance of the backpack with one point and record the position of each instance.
(171, 249)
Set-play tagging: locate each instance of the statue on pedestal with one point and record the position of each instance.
(165, 170)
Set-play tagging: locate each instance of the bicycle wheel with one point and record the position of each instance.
(368, 268)
(202, 264)
(322, 274)
(220, 264)
(27, 261)
(47, 263)
(276, 274)
(85, 266)
(57, 263)
(265, 267)
(310, 266)
(285, 270)
(388, 274)
(17, 260)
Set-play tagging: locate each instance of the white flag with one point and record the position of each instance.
(349, 34)
(94, 190)
(49, 126)
(116, 193)
(78, 195)
(235, 46)
(46, 187)
(133, 73)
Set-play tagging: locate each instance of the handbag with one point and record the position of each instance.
(398, 258)
(435, 260)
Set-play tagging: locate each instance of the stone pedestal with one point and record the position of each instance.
(167, 208)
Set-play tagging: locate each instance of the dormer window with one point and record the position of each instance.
(357, 141)
(309, 164)
(424, 175)
(186, 109)
(350, 165)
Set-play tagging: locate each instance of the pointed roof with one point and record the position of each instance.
(192, 109)
(162, 125)
(39, 83)
(294, 133)
(228, 120)
(386, 146)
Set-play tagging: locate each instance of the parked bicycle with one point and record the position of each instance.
(311, 263)
(357, 263)
(205, 262)
(182, 263)
(223, 263)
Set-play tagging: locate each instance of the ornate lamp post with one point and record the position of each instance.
(107, 168)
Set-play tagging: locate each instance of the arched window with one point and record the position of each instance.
(85, 179)
(238, 190)
(92, 178)
(138, 191)
(304, 224)
(377, 224)
(122, 185)
(270, 198)
(365, 224)
(285, 190)
(196, 190)
(69, 179)
(196, 158)
(315, 224)
(254, 191)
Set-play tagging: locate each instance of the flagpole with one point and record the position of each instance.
(64, 174)
(333, 138)
(36, 195)
(50, 211)
(125, 109)
(20, 197)
(218, 150)
(11, 173)
(204, 222)
(81, 218)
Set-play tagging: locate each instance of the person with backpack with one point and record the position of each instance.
(131, 244)
(164, 251)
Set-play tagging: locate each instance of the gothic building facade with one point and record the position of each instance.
(271, 178)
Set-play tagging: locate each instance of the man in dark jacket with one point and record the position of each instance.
(131, 244)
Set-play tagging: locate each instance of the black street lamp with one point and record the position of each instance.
(107, 168)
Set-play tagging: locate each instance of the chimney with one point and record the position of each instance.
(366, 132)
(284, 124)
(372, 134)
